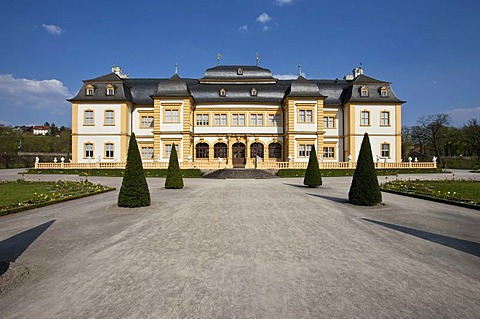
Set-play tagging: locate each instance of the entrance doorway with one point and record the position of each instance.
(238, 152)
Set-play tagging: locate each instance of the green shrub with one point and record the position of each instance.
(174, 177)
(134, 191)
(313, 178)
(365, 190)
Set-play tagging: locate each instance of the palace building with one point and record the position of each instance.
(236, 115)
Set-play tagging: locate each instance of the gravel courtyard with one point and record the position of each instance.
(241, 249)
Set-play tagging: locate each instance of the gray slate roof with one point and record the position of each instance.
(269, 90)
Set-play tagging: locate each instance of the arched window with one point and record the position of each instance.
(256, 149)
(220, 150)
(274, 150)
(201, 150)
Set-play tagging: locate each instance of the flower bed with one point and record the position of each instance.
(20, 195)
(459, 192)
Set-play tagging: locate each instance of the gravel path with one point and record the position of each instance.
(241, 249)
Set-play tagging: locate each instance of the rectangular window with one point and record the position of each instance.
(304, 150)
(147, 152)
(171, 116)
(385, 118)
(147, 121)
(220, 119)
(89, 150)
(202, 119)
(329, 152)
(238, 119)
(274, 119)
(385, 150)
(329, 122)
(301, 116)
(110, 91)
(308, 116)
(256, 119)
(88, 118)
(365, 118)
(305, 116)
(109, 150)
(109, 117)
(89, 91)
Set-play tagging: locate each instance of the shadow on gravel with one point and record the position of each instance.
(295, 185)
(11, 248)
(333, 199)
(466, 246)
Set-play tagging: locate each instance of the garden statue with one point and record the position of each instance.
(349, 157)
(410, 159)
(37, 160)
(55, 160)
(434, 159)
(416, 159)
(62, 159)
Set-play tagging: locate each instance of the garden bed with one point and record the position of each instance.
(186, 173)
(349, 172)
(465, 193)
(20, 195)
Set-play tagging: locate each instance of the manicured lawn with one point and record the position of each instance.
(464, 191)
(21, 194)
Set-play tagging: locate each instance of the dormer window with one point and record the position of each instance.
(364, 91)
(110, 90)
(239, 71)
(253, 92)
(89, 90)
(383, 91)
(222, 92)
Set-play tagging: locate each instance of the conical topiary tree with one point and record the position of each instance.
(174, 175)
(313, 178)
(134, 191)
(365, 190)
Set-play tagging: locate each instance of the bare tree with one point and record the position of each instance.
(434, 131)
(472, 133)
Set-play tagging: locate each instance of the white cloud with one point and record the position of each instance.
(53, 29)
(288, 76)
(282, 2)
(5, 123)
(45, 95)
(264, 18)
(265, 28)
(460, 116)
(243, 28)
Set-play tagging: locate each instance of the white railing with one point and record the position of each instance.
(221, 165)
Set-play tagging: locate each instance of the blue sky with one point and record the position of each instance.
(428, 49)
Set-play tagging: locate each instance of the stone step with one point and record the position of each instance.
(241, 173)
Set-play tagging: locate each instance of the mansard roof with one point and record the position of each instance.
(121, 93)
(352, 92)
(304, 88)
(240, 73)
(238, 88)
(175, 86)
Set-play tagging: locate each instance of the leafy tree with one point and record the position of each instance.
(174, 175)
(365, 190)
(134, 191)
(313, 178)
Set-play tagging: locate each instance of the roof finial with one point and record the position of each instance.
(299, 69)
(256, 59)
(218, 58)
(176, 68)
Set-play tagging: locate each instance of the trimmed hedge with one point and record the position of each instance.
(313, 178)
(134, 191)
(174, 178)
(365, 190)
(349, 172)
(186, 173)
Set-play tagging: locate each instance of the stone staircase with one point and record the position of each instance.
(241, 173)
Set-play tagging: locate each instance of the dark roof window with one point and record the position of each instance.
(253, 92)
(239, 71)
(222, 92)
(110, 89)
(89, 90)
(364, 91)
(383, 91)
